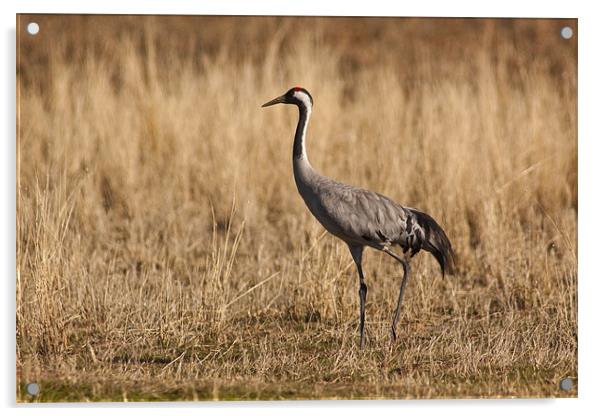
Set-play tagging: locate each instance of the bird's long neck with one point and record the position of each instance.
(301, 133)
(301, 166)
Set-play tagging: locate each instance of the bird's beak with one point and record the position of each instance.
(279, 100)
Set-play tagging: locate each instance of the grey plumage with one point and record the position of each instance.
(367, 218)
(360, 217)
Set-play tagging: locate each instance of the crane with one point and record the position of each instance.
(362, 218)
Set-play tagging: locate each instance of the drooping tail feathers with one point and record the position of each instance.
(436, 242)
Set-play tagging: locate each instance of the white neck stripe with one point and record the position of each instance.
(304, 98)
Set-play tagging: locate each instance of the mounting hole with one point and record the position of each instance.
(566, 32)
(33, 28)
(33, 389)
(566, 384)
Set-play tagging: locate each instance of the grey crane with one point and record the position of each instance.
(360, 217)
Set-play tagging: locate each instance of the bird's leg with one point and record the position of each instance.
(363, 291)
(356, 253)
(404, 282)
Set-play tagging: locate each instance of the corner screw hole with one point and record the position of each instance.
(566, 32)
(566, 384)
(33, 28)
(33, 389)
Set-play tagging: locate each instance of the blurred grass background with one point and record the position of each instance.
(164, 253)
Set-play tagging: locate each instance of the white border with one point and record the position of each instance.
(511, 8)
(590, 135)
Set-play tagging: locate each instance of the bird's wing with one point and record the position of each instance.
(364, 215)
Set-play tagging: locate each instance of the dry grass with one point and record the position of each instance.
(163, 251)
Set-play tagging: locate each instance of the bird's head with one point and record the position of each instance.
(296, 95)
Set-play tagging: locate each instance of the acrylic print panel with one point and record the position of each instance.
(164, 251)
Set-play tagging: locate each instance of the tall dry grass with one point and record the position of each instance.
(163, 251)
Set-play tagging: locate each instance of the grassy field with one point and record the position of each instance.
(163, 250)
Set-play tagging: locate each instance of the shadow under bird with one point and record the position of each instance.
(363, 218)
